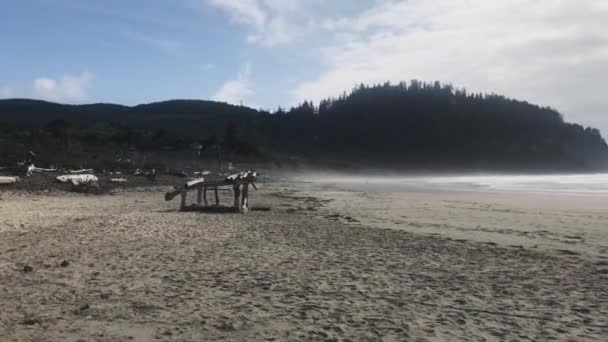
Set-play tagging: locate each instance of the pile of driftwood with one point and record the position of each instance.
(239, 183)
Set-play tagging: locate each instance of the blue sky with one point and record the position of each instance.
(267, 53)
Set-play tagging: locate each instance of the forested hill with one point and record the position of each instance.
(408, 125)
(25, 111)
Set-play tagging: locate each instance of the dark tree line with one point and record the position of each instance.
(408, 125)
(435, 125)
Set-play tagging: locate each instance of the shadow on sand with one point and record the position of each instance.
(212, 209)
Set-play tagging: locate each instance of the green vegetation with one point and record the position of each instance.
(408, 125)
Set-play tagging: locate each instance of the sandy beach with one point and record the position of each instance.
(324, 265)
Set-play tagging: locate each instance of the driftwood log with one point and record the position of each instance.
(77, 179)
(8, 180)
(74, 172)
(238, 182)
(80, 183)
(185, 188)
(31, 169)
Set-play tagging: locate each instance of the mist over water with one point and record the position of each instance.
(571, 183)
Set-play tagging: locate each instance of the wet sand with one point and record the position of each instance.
(554, 221)
(130, 267)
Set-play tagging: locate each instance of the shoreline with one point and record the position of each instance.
(557, 222)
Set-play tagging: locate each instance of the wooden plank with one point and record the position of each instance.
(218, 183)
(195, 183)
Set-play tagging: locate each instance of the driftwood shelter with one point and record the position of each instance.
(239, 183)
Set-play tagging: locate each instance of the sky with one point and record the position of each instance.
(270, 53)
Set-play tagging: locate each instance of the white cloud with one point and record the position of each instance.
(243, 11)
(273, 22)
(551, 52)
(66, 88)
(278, 31)
(236, 90)
(283, 6)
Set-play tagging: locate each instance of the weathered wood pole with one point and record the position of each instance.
(237, 195)
(245, 200)
(217, 197)
(205, 196)
(183, 204)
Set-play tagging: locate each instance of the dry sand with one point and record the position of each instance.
(129, 266)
